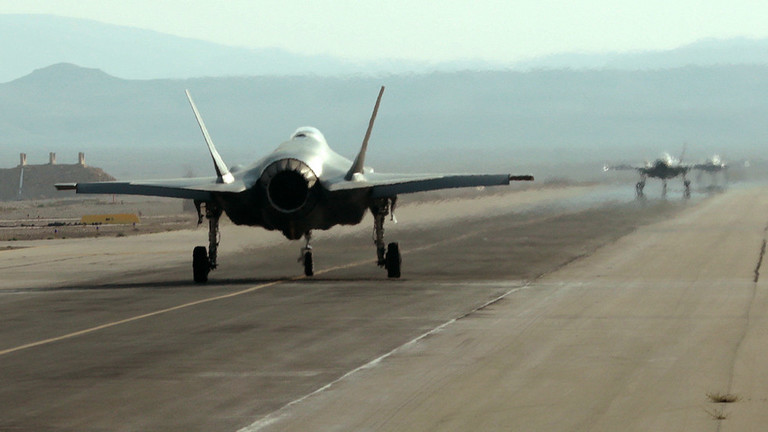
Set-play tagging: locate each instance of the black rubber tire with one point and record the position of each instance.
(393, 260)
(200, 264)
(309, 269)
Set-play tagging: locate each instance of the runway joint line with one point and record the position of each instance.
(761, 256)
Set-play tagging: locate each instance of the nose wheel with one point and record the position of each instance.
(639, 188)
(306, 256)
(309, 269)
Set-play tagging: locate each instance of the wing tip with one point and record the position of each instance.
(66, 186)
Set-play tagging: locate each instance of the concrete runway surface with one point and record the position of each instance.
(534, 310)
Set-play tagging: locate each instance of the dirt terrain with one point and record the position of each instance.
(60, 218)
(50, 219)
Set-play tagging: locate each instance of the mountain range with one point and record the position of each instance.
(117, 93)
(32, 42)
(457, 121)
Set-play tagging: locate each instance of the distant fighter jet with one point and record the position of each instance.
(301, 186)
(712, 166)
(663, 168)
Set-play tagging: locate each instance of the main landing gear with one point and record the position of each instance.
(388, 257)
(204, 261)
(640, 185)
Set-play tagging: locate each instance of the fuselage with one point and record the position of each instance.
(285, 190)
(665, 168)
(712, 165)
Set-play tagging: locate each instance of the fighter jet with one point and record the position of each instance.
(663, 168)
(712, 166)
(301, 186)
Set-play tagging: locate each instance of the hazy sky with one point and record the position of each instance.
(499, 31)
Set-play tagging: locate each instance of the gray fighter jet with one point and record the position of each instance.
(301, 186)
(663, 168)
(715, 164)
(712, 166)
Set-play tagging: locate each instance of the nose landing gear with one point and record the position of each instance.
(306, 256)
(639, 188)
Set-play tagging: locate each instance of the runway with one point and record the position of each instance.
(514, 313)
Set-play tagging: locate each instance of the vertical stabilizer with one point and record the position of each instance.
(682, 154)
(357, 165)
(221, 168)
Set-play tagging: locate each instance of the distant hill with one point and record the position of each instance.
(461, 121)
(708, 52)
(38, 180)
(37, 41)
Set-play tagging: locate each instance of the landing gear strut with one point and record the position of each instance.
(388, 257)
(664, 188)
(204, 261)
(687, 184)
(306, 255)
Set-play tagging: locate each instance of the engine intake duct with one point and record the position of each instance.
(288, 184)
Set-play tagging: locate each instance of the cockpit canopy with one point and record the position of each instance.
(307, 132)
(668, 160)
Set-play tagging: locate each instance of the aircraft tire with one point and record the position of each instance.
(393, 260)
(200, 264)
(309, 269)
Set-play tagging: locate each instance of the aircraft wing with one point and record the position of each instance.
(383, 185)
(201, 189)
(709, 167)
(622, 167)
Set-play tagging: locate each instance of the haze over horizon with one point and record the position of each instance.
(452, 122)
(39, 41)
(427, 31)
(586, 108)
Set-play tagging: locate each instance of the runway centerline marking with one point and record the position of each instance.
(140, 317)
(172, 309)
